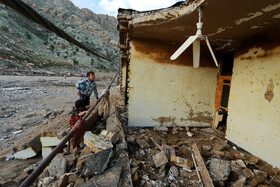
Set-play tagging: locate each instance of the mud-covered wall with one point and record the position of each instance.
(254, 104)
(164, 92)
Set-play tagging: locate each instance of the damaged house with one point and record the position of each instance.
(241, 95)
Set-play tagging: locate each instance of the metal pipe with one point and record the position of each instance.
(33, 176)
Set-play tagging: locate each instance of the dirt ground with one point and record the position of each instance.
(25, 111)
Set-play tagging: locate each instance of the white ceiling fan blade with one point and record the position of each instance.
(184, 46)
(211, 51)
(196, 53)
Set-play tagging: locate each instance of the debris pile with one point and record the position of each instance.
(193, 157)
(103, 156)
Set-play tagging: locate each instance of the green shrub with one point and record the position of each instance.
(76, 62)
(52, 47)
(4, 28)
(92, 61)
(28, 35)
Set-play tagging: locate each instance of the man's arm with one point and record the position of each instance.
(78, 86)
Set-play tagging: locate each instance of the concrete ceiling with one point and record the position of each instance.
(227, 23)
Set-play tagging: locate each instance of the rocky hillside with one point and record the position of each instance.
(27, 46)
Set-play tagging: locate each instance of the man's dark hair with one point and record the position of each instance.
(90, 72)
(80, 103)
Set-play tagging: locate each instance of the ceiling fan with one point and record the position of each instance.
(195, 40)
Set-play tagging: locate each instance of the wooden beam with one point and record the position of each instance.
(200, 167)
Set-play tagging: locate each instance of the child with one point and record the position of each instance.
(86, 87)
(80, 109)
(77, 113)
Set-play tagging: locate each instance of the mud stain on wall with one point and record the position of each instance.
(198, 117)
(268, 95)
(163, 120)
(161, 52)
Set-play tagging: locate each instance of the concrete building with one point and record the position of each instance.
(242, 94)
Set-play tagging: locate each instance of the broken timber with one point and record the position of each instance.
(201, 169)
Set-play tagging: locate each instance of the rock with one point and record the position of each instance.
(182, 162)
(121, 145)
(109, 178)
(239, 183)
(254, 160)
(72, 178)
(206, 147)
(46, 151)
(79, 181)
(111, 124)
(143, 144)
(142, 131)
(146, 177)
(135, 177)
(260, 179)
(47, 180)
(58, 166)
(25, 153)
(160, 159)
(70, 159)
(174, 171)
(49, 141)
(160, 128)
(190, 134)
(219, 170)
(241, 163)
(220, 146)
(111, 136)
(30, 168)
(98, 162)
(260, 173)
(96, 143)
(63, 181)
(130, 139)
(275, 182)
(248, 173)
(254, 183)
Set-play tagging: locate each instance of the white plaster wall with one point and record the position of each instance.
(253, 122)
(168, 92)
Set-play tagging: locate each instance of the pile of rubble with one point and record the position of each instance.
(168, 157)
(103, 157)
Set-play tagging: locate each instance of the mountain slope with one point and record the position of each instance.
(26, 45)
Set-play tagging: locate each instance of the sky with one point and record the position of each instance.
(110, 7)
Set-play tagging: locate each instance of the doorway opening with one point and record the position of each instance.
(223, 90)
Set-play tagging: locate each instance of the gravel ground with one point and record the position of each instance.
(40, 100)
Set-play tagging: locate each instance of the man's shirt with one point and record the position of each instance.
(89, 87)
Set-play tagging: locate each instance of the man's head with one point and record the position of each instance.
(91, 75)
(80, 104)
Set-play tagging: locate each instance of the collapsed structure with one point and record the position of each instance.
(241, 94)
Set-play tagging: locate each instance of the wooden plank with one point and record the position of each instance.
(200, 167)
